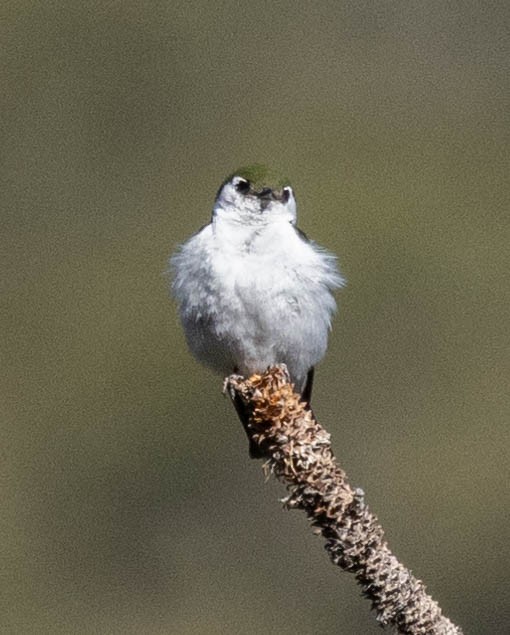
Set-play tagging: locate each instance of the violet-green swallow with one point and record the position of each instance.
(252, 290)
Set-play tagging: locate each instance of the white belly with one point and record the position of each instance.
(246, 309)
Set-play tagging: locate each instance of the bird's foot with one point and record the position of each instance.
(229, 383)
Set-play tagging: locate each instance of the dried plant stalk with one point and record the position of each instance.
(298, 451)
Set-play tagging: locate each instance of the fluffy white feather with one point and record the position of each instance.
(252, 291)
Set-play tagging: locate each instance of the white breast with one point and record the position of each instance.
(250, 297)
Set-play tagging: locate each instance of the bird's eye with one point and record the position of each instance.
(286, 194)
(243, 186)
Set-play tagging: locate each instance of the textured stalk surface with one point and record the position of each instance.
(298, 451)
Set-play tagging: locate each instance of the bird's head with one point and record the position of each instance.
(255, 195)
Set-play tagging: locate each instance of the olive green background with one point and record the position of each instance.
(129, 504)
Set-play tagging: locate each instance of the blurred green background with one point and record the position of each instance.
(129, 503)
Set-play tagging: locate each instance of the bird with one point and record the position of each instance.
(252, 290)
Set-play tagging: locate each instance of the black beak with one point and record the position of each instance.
(266, 193)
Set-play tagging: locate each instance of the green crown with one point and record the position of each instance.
(261, 176)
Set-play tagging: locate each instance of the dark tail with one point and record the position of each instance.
(307, 390)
